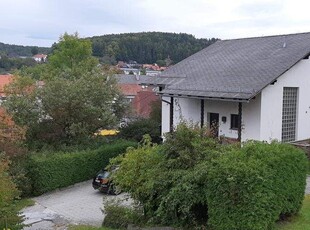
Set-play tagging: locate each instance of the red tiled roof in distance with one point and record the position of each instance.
(40, 56)
(132, 89)
(143, 101)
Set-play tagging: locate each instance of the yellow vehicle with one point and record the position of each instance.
(107, 132)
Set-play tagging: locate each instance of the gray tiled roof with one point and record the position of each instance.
(132, 79)
(234, 69)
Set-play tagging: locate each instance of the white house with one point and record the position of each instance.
(40, 57)
(131, 71)
(252, 88)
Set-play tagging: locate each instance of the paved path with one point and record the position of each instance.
(78, 204)
(308, 185)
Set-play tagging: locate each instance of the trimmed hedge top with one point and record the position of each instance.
(252, 187)
(49, 172)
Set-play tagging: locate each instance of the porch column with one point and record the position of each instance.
(171, 114)
(239, 120)
(202, 112)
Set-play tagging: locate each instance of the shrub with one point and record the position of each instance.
(119, 216)
(136, 129)
(252, 187)
(167, 179)
(137, 171)
(51, 171)
(191, 180)
(8, 192)
(19, 174)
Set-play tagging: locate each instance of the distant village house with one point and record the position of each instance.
(39, 58)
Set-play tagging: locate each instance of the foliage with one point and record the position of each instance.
(119, 216)
(155, 113)
(19, 173)
(72, 103)
(192, 180)
(87, 227)
(11, 135)
(189, 145)
(135, 130)
(75, 109)
(17, 50)
(34, 50)
(254, 186)
(36, 72)
(72, 57)
(8, 192)
(13, 220)
(8, 64)
(51, 171)
(137, 168)
(299, 222)
(168, 181)
(147, 47)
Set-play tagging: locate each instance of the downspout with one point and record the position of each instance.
(239, 120)
(171, 114)
(202, 112)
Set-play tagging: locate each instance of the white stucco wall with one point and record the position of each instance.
(165, 115)
(251, 117)
(224, 109)
(271, 103)
(186, 109)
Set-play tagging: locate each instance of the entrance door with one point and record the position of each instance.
(214, 124)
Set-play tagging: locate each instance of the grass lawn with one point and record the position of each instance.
(300, 222)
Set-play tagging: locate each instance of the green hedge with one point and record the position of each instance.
(252, 187)
(57, 170)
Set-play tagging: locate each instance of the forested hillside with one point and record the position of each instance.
(147, 47)
(16, 50)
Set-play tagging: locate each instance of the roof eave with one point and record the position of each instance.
(206, 97)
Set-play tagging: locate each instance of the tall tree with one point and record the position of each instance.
(73, 101)
(72, 57)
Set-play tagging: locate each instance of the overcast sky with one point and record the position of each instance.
(41, 22)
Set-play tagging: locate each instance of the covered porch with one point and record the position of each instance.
(232, 119)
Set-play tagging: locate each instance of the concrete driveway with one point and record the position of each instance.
(78, 204)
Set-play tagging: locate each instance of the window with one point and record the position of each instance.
(234, 121)
(289, 112)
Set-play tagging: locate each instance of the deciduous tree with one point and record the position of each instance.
(74, 99)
